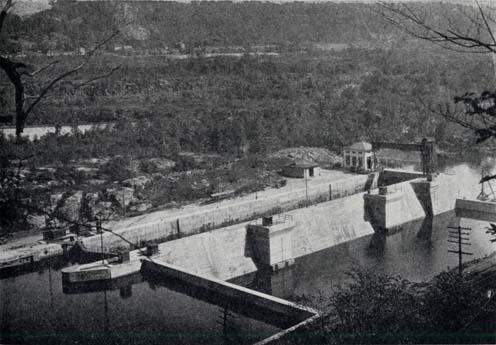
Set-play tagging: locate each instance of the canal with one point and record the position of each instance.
(34, 308)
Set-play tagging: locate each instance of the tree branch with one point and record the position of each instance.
(40, 70)
(50, 85)
(405, 18)
(485, 21)
(8, 5)
(97, 78)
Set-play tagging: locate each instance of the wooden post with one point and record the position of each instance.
(99, 229)
(306, 187)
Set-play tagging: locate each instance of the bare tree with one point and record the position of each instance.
(16, 71)
(468, 28)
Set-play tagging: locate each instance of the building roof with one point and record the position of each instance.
(361, 146)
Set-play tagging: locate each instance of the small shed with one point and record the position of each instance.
(301, 169)
(359, 157)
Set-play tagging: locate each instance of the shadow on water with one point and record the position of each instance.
(377, 245)
(425, 231)
(232, 304)
(280, 283)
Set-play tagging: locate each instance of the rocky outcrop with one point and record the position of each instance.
(69, 206)
(321, 156)
(138, 183)
(140, 207)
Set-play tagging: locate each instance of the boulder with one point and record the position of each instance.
(54, 200)
(141, 207)
(36, 221)
(318, 155)
(163, 163)
(70, 206)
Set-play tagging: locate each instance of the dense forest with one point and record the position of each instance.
(69, 25)
(376, 89)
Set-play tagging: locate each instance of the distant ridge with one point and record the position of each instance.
(29, 7)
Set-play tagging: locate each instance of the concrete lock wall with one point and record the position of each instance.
(328, 224)
(222, 254)
(236, 212)
(227, 253)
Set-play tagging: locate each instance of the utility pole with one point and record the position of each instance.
(306, 187)
(100, 231)
(124, 203)
(456, 235)
(226, 321)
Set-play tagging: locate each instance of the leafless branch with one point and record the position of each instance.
(415, 24)
(98, 77)
(51, 84)
(8, 5)
(485, 21)
(32, 74)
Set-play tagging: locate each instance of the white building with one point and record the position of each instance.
(359, 157)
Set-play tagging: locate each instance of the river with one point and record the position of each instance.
(34, 309)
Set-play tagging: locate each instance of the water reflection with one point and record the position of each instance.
(123, 284)
(136, 312)
(233, 304)
(41, 266)
(425, 231)
(417, 252)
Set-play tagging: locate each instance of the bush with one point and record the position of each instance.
(69, 174)
(381, 309)
(185, 163)
(148, 167)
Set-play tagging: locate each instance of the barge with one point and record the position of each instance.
(14, 257)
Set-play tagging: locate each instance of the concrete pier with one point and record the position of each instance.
(476, 209)
(390, 208)
(271, 243)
